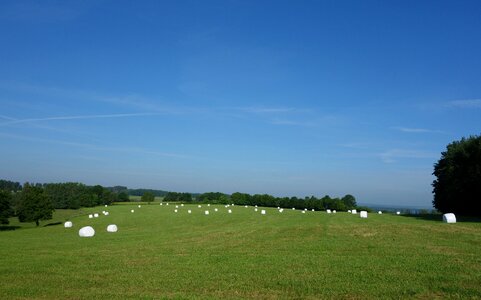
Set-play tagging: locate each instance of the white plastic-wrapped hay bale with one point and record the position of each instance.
(199, 206)
(263, 212)
(334, 211)
(131, 210)
(255, 209)
(229, 211)
(167, 203)
(105, 205)
(303, 211)
(363, 214)
(449, 218)
(255, 206)
(140, 206)
(379, 212)
(245, 206)
(112, 228)
(353, 211)
(175, 210)
(349, 211)
(96, 215)
(182, 205)
(86, 231)
(216, 210)
(208, 204)
(398, 213)
(206, 212)
(312, 209)
(189, 211)
(176, 206)
(278, 207)
(91, 216)
(161, 204)
(106, 213)
(281, 210)
(68, 224)
(293, 208)
(328, 211)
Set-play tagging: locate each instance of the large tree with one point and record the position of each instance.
(5, 209)
(34, 205)
(148, 197)
(457, 188)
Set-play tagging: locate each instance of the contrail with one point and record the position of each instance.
(18, 121)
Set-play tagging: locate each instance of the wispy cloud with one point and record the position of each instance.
(468, 103)
(416, 130)
(271, 110)
(33, 120)
(134, 150)
(392, 155)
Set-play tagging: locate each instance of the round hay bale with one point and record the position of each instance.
(334, 211)
(140, 206)
(176, 206)
(199, 206)
(206, 212)
(349, 211)
(160, 203)
(293, 208)
(353, 211)
(449, 218)
(91, 216)
(312, 209)
(229, 211)
(281, 210)
(96, 215)
(112, 228)
(255, 209)
(398, 213)
(68, 224)
(105, 205)
(131, 210)
(263, 212)
(86, 231)
(328, 211)
(189, 211)
(216, 210)
(303, 211)
(175, 210)
(379, 212)
(363, 214)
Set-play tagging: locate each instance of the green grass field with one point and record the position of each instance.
(161, 254)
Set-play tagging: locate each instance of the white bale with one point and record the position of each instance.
(263, 212)
(354, 211)
(281, 210)
(363, 214)
(215, 209)
(293, 208)
(167, 203)
(334, 211)
(255, 209)
(68, 224)
(255, 206)
(140, 206)
(328, 211)
(86, 231)
(199, 206)
(175, 210)
(208, 204)
(245, 206)
(232, 204)
(91, 216)
(96, 215)
(349, 211)
(182, 204)
(379, 212)
(105, 205)
(176, 206)
(161, 203)
(278, 207)
(106, 213)
(398, 213)
(131, 210)
(449, 218)
(229, 211)
(189, 211)
(112, 228)
(303, 211)
(206, 212)
(312, 209)
(103, 211)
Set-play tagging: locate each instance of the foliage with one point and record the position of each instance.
(34, 205)
(10, 186)
(5, 206)
(457, 187)
(178, 197)
(140, 192)
(148, 197)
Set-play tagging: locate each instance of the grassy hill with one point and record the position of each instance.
(161, 254)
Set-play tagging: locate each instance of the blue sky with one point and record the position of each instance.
(290, 98)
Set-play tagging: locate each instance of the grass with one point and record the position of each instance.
(161, 254)
(139, 198)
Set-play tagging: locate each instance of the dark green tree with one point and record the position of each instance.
(123, 197)
(5, 208)
(34, 205)
(148, 197)
(457, 187)
(349, 201)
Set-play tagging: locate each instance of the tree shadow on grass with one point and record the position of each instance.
(52, 224)
(8, 228)
(439, 218)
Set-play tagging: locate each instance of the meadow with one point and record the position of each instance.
(314, 255)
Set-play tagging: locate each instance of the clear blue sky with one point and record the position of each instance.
(289, 98)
